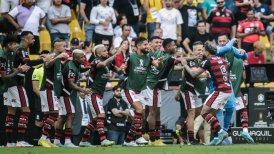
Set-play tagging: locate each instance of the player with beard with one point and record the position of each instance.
(67, 100)
(16, 96)
(48, 97)
(138, 66)
(218, 70)
(155, 80)
(101, 67)
(193, 88)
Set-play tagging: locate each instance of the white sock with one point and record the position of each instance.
(56, 141)
(220, 130)
(245, 129)
(48, 140)
(43, 137)
(67, 141)
(229, 138)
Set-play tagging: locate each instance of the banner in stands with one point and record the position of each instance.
(260, 135)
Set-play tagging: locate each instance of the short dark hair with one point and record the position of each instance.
(197, 43)
(125, 25)
(25, 33)
(140, 40)
(58, 40)
(116, 87)
(9, 39)
(120, 18)
(201, 21)
(167, 42)
(223, 34)
(210, 48)
(154, 38)
(44, 52)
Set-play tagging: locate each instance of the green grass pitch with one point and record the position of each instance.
(169, 149)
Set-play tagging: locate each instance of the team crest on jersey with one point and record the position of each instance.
(227, 14)
(218, 14)
(141, 62)
(260, 97)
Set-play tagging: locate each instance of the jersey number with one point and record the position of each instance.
(224, 72)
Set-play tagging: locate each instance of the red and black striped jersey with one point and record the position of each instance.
(219, 72)
(221, 21)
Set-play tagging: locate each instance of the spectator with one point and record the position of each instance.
(7, 5)
(221, 20)
(264, 12)
(132, 9)
(85, 10)
(28, 17)
(158, 32)
(81, 118)
(243, 7)
(257, 56)
(207, 6)
(117, 112)
(60, 16)
(152, 7)
(190, 17)
(199, 35)
(249, 31)
(122, 20)
(125, 36)
(87, 47)
(103, 17)
(133, 47)
(121, 58)
(74, 44)
(45, 5)
(170, 20)
(106, 43)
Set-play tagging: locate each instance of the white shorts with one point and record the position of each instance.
(240, 103)
(7, 5)
(16, 96)
(49, 102)
(152, 97)
(96, 105)
(191, 100)
(65, 106)
(217, 100)
(131, 96)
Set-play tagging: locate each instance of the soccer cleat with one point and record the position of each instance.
(23, 144)
(222, 135)
(44, 143)
(107, 143)
(85, 144)
(141, 140)
(247, 137)
(11, 145)
(146, 136)
(59, 145)
(130, 144)
(70, 145)
(227, 141)
(159, 143)
(213, 142)
(52, 145)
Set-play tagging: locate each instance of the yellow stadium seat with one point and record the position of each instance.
(76, 31)
(45, 43)
(265, 40)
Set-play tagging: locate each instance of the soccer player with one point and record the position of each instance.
(231, 54)
(16, 97)
(42, 81)
(152, 92)
(7, 74)
(101, 67)
(138, 66)
(192, 89)
(70, 73)
(218, 70)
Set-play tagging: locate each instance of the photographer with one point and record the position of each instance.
(117, 112)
